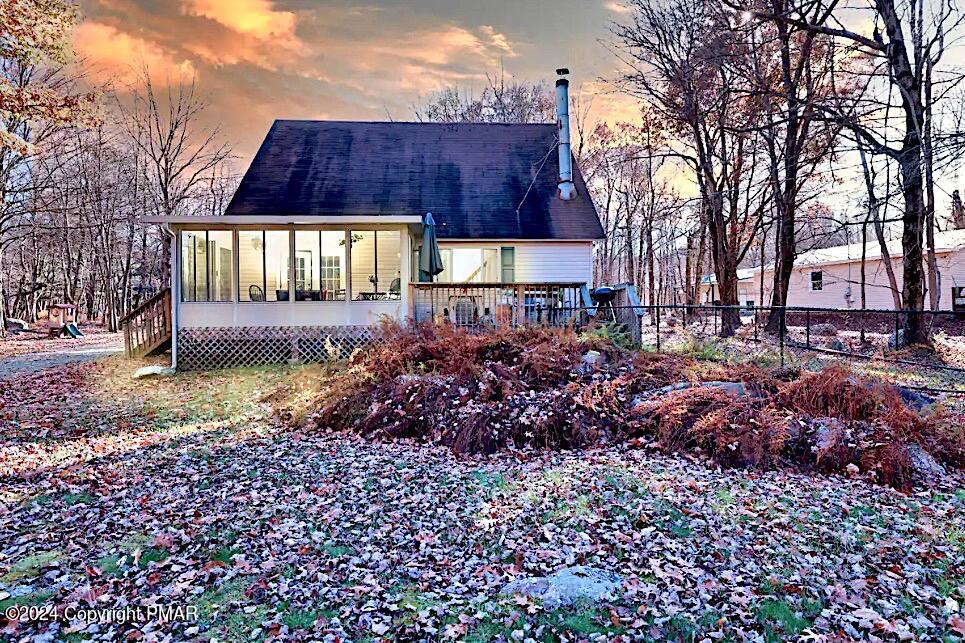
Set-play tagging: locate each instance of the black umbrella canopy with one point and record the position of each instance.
(430, 259)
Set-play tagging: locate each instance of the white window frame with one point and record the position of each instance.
(820, 280)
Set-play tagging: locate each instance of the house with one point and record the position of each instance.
(709, 294)
(322, 238)
(831, 277)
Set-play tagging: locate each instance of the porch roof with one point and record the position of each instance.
(234, 219)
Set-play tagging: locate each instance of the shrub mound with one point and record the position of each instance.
(551, 388)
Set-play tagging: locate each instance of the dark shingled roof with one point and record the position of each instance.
(471, 176)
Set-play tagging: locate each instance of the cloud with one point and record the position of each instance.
(247, 31)
(253, 17)
(297, 59)
(616, 7)
(110, 54)
(413, 59)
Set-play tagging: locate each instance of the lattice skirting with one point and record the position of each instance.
(210, 348)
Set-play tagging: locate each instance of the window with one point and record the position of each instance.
(320, 265)
(263, 264)
(470, 265)
(206, 265)
(817, 280)
(376, 264)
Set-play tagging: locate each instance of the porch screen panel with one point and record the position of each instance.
(189, 272)
(389, 259)
(277, 261)
(320, 265)
(363, 265)
(307, 256)
(332, 265)
(206, 265)
(219, 265)
(376, 264)
(251, 265)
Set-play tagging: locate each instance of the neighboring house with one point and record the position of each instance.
(708, 293)
(322, 237)
(831, 277)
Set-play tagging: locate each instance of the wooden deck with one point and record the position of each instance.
(496, 305)
(147, 328)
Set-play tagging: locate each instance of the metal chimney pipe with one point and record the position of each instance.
(567, 189)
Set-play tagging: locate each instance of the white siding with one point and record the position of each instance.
(287, 313)
(551, 262)
(554, 262)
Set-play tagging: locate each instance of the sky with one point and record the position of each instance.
(258, 60)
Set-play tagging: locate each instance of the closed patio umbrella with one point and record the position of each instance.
(430, 259)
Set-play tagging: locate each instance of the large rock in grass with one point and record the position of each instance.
(155, 370)
(737, 389)
(926, 470)
(567, 586)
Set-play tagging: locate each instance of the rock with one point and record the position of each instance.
(833, 446)
(926, 469)
(913, 399)
(824, 330)
(567, 586)
(836, 345)
(592, 361)
(153, 371)
(894, 342)
(737, 389)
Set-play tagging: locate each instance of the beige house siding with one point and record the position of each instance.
(842, 283)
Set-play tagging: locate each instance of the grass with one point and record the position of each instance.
(213, 599)
(29, 599)
(780, 620)
(490, 480)
(79, 499)
(110, 565)
(304, 619)
(225, 554)
(337, 551)
(30, 566)
(579, 619)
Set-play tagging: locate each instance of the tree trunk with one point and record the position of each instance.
(910, 163)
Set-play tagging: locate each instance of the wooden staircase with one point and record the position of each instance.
(147, 328)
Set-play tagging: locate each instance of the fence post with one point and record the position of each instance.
(757, 322)
(781, 332)
(807, 328)
(714, 311)
(897, 325)
(658, 328)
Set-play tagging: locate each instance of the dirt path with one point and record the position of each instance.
(63, 353)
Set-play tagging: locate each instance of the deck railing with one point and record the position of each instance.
(499, 305)
(148, 327)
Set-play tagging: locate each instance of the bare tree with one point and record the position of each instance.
(179, 154)
(907, 44)
(680, 57)
(501, 101)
